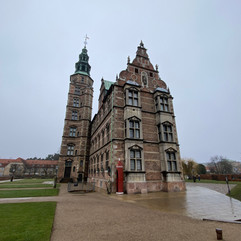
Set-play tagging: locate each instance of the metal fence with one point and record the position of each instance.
(81, 187)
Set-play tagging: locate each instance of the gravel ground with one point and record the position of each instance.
(95, 216)
(222, 188)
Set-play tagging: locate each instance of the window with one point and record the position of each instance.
(167, 132)
(81, 163)
(156, 102)
(82, 79)
(103, 136)
(135, 160)
(101, 163)
(108, 132)
(171, 161)
(133, 97)
(77, 90)
(164, 104)
(72, 131)
(151, 74)
(106, 160)
(76, 102)
(74, 115)
(136, 70)
(134, 129)
(70, 150)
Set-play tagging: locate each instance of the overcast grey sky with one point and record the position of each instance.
(197, 45)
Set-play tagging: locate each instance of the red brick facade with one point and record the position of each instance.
(135, 124)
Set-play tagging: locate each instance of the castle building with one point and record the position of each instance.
(135, 126)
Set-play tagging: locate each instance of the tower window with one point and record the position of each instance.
(136, 70)
(70, 150)
(77, 90)
(82, 79)
(76, 102)
(72, 131)
(74, 115)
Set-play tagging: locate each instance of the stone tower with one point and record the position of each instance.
(74, 153)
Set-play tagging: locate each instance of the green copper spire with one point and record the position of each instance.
(82, 66)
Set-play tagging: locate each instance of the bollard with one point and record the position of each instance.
(219, 232)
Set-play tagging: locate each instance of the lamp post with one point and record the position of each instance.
(226, 178)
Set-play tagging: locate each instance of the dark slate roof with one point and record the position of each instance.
(161, 89)
(132, 82)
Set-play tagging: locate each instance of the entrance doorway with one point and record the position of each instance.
(67, 171)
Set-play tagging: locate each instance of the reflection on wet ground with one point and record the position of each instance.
(196, 202)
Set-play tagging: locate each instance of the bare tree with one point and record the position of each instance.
(220, 165)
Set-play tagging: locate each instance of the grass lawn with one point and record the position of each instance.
(32, 180)
(235, 192)
(14, 185)
(213, 181)
(28, 193)
(26, 221)
(27, 183)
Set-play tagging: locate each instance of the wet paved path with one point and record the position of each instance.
(197, 202)
(97, 216)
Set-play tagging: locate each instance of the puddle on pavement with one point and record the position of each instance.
(196, 202)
